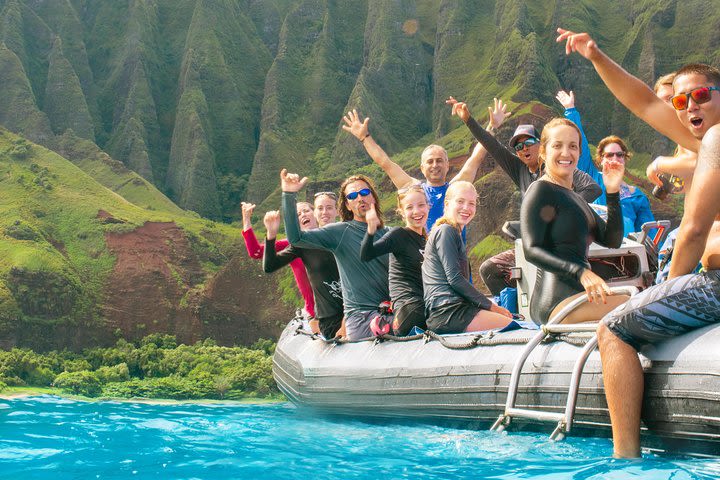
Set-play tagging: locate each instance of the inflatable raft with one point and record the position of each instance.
(547, 379)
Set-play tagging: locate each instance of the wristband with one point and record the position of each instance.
(364, 138)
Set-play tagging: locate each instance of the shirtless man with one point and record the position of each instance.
(686, 301)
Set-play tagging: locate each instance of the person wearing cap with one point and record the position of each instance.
(434, 162)
(521, 162)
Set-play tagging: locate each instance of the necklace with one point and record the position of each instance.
(557, 181)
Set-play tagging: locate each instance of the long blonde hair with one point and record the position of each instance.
(404, 192)
(451, 192)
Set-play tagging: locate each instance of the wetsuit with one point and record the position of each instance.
(365, 284)
(557, 227)
(324, 279)
(450, 299)
(406, 289)
(496, 270)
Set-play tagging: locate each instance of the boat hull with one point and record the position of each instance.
(427, 381)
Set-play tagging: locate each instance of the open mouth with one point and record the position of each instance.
(696, 122)
(565, 163)
(304, 221)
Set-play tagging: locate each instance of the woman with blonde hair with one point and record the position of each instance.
(405, 246)
(453, 305)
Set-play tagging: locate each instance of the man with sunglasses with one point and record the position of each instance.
(522, 165)
(364, 284)
(686, 301)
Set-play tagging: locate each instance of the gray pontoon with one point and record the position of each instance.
(469, 379)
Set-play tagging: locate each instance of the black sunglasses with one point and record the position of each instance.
(528, 142)
(353, 195)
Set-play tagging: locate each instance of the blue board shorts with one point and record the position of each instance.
(667, 310)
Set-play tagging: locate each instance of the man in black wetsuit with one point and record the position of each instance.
(322, 272)
(686, 301)
(522, 164)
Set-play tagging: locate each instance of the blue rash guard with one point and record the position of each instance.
(634, 203)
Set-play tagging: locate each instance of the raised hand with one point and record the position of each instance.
(272, 223)
(498, 113)
(612, 174)
(291, 182)
(373, 222)
(578, 42)
(595, 287)
(247, 211)
(459, 108)
(567, 100)
(353, 125)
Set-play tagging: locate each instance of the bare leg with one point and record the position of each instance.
(623, 379)
(486, 320)
(314, 325)
(589, 312)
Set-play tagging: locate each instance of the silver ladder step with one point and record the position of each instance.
(564, 419)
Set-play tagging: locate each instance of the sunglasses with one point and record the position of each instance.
(699, 95)
(619, 155)
(415, 187)
(353, 195)
(529, 142)
(329, 194)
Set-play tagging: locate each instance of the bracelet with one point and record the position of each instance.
(365, 138)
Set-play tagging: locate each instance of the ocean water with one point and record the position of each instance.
(53, 438)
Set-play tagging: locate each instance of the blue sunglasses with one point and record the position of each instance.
(353, 195)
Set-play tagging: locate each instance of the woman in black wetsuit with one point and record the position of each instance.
(558, 226)
(406, 245)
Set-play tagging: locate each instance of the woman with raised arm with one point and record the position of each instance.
(321, 269)
(452, 303)
(255, 250)
(558, 226)
(405, 246)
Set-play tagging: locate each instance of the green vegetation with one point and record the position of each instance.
(155, 367)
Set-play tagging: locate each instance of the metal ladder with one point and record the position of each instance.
(564, 419)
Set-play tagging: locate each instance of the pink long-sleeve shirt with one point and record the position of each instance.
(255, 249)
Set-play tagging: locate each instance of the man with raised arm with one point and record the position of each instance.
(364, 284)
(686, 301)
(434, 162)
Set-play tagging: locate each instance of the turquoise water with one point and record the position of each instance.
(52, 438)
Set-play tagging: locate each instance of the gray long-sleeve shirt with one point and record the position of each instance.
(445, 271)
(364, 284)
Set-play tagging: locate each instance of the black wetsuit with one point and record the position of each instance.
(405, 275)
(324, 279)
(557, 228)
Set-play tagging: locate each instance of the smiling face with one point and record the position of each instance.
(561, 151)
(325, 210)
(461, 203)
(528, 155)
(698, 118)
(613, 152)
(306, 216)
(434, 164)
(359, 205)
(414, 209)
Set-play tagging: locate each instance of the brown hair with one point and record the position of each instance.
(345, 213)
(607, 141)
(666, 79)
(404, 192)
(708, 71)
(556, 122)
(449, 195)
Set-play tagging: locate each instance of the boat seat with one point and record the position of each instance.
(554, 326)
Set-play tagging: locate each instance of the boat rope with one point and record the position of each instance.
(478, 340)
